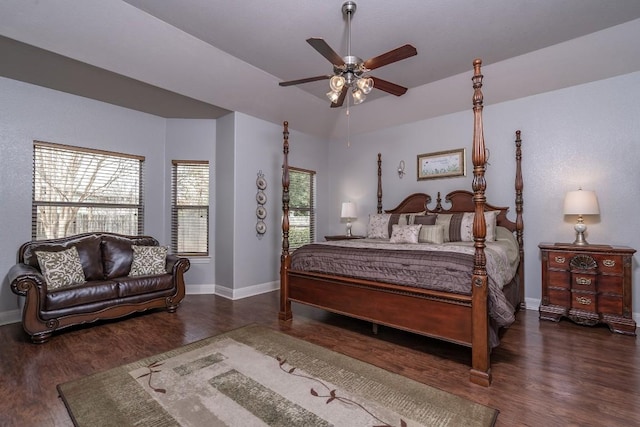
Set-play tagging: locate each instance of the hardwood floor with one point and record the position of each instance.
(544, 374)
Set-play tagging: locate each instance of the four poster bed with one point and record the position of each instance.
(470, 287)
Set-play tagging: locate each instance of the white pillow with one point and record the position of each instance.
(431, 234)
(378, 227)
(405, 233)
(466, 228)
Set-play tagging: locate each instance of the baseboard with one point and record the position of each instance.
(200, 289)
(11, 316)
(247, 291)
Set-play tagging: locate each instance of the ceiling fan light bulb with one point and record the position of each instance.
(336, 83)
(333, 96)
(358, 96)
(365, 84)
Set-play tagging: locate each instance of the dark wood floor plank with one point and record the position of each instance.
(544, 373)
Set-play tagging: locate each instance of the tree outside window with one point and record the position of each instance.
(302, 211)
(78, 190)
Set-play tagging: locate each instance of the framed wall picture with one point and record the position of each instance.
(442, 164)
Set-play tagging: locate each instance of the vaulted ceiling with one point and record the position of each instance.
(203, 58)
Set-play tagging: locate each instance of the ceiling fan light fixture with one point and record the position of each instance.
(365, 84)
(358, 96)
(333, 96)
(336, 83)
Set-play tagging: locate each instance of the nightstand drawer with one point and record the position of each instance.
(559, 296)
(609, 284)
(609, 264)
(583, 301)
(559, 260)
(559, 279)
(584, 282)
(610, 304)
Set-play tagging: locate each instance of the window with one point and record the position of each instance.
(79, 190)
(302, 207)
(190, 207)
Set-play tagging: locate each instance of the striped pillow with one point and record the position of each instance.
(431, 234)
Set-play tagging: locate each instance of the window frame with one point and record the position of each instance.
(311, 208)
(68, 151)
(175, 208)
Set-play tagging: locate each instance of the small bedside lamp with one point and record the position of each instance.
(349, 213)
(581, 202)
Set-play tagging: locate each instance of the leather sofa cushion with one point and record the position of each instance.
(129, 286)
(117, 254)
(82, 294)
(88, 249)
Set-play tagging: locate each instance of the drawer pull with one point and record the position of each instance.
(609, 263)
(583, 300)
(560, 259)
(583, 281)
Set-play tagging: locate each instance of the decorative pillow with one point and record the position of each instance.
(423, 219)
(405, 233)
(378, 227)
(61, 269)
(445, 221)
(431, 234)
(148, 260)
(466, 227)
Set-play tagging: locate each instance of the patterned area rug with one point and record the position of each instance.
(255, 376)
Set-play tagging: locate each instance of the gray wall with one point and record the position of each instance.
(585, 136)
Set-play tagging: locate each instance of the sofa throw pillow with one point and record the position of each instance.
(148, 260)
(431, 234)
(405, 233)
(61, 269)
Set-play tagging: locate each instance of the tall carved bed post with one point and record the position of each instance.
(285, 258)
(519, 219)
(480, 363)
(379, 183)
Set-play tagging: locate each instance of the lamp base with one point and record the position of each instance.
(348, 229)
(580, 228)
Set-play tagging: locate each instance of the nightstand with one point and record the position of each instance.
(343, 237)
(588, 284)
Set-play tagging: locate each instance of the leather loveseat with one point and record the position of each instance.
(108, 290)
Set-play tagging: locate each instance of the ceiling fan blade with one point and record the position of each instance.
(340, 100)
(307, 80)
(388, 87)
(325, 50)
(398, 54)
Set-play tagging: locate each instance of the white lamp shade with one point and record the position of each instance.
(581, 202)
(349, 210)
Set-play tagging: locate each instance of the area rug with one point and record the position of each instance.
(256, 376)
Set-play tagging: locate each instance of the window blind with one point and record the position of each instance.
(302, 212)
(79, 190)
(190, 208)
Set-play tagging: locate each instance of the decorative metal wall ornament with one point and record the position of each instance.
(261, 211)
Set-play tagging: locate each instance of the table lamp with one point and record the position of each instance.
(581, 202)
(348, 213)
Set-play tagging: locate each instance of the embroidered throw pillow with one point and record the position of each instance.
(378, 227)
(405, 233)
(466, 226)
(431, 234)
(148, 260)
(61, 269)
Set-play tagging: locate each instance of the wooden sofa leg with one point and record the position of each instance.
(41, 338)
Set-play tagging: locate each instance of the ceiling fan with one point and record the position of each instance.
(350, 72)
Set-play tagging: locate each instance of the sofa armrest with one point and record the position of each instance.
(175, 262)
(22, 277)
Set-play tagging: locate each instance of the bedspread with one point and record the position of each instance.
(438, 267)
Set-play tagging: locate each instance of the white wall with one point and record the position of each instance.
(587, 135)
(194, 140)
(30, 113)
(258, 147)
